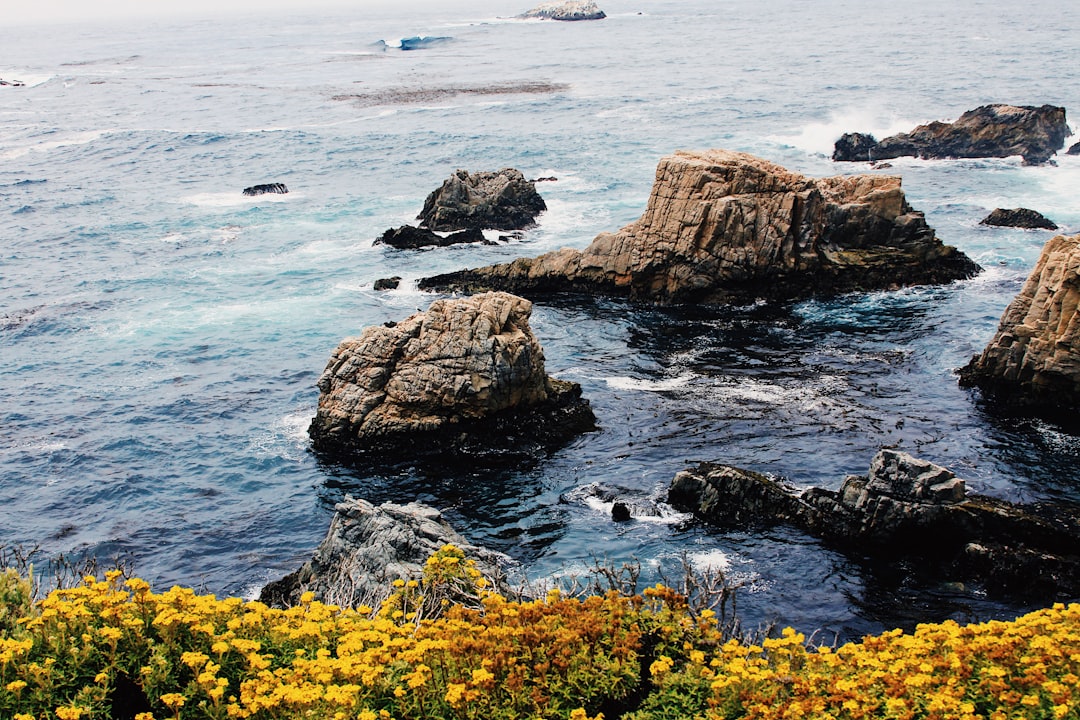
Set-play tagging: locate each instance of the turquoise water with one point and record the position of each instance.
(161, 333)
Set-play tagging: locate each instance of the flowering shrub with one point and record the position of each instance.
(188, 656)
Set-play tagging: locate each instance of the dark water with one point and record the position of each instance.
(161, 333)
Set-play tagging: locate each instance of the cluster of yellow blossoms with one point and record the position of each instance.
(647, 656)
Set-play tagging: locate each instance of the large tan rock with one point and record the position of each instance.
(465, 376)
(1034, 358)
(723, 226)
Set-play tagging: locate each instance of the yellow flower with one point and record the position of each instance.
(15, 686)
(173, 701)
(68, 713)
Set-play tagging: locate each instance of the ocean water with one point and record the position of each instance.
(161, 333)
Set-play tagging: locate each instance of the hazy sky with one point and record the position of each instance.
(24, 12)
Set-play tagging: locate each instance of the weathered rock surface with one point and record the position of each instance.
(268, 188)
(1019, 218)
(724, 226)
(905, 508)
(368, 547)
(390, 283)
(1035, 133)
(569, 11)
(1033, 361)
(502, 200)
(466, 378)
(408, 237)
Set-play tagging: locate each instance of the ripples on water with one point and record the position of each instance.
(162, 333)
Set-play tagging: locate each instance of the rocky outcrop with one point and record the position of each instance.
(905, 508)
(269, 188)
(465, 379)
(569, 11)
(390, 283)
(1035, 133)
(368, 547)
(502, 200)
(1019, 218)
(725, 226)
(408, 237)
(1033, 361)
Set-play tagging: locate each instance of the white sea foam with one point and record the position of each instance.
(29, 145)
(233, 198)
(820, 137)
(629, 383)
(706, 560)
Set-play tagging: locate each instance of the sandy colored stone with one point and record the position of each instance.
(722, 226)
(1033, 359)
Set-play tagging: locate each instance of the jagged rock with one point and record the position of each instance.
(1018, 218)
(390, 283)
(571, 10)
(724, 226)
(502, 200)
(368, 547)
(408, 237)
(270, 188)
(905, 508)
(466, 378)
(1036, 133)
(1033, 361)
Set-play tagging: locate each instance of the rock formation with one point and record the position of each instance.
(502, 200)
(1018, 218)
(390, 283)
(905, 508)
(368, 547)
(408, 237)
(1033, 361)
(464, 379)
(570, 10)
(724, 226)
(1074, 149)
(1035, 133)
(269, 188)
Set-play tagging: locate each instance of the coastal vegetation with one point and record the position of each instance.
(444, 646)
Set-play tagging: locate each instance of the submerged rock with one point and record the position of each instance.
(1033, 360)
(390, 283)
(502, 200)
(724, 226)
(569, 11)
(1018, 218)
(269, 188)
(464, 379)
(905, 508)
(408, 237)
(12, 83)
(1074, 149)
(1035, 133)
(368, 547)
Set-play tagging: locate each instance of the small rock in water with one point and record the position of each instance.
(390, 283)
(1019, 218)
(269, 188)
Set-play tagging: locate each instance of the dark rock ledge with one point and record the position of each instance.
(724, 226)
(1019, 218)
(906, 508)
(1035, 133)
(464, 380)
